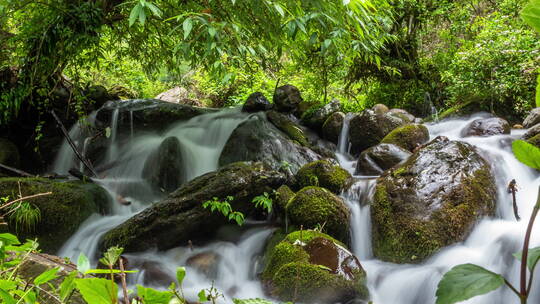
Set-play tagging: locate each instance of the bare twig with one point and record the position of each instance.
(17, 171)
(24, 198)
(123, 279)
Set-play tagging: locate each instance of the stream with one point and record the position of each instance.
(202, 138)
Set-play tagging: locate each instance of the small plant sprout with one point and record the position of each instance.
(263, 201)
(224, 207)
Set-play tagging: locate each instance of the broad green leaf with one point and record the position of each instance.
(152, 296)
(135, 14)
(142, 16)
(531, 14)
(6, 297)
(30, 297)
(527, 153)
(202, 296)
(67, 286)
(155, 10)
(7, 284)
(9, 239)
(466, 281)
(112, 255)
(97, 291)
(180, 275)
(212, 31)
(46, 276)
(532, 258)
(187, 27)
(83, 264)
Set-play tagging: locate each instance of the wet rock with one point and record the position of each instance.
(368, 129)
(380, 109)
(403, 115)
(310, 266)
(430, 201)
(532, 119)
(178, 95)
(256, 102)
(257, 139)
(180, 217)
(486, 127)
(315, 206)
(163, 168)
(99, 95)
(9, 154)
(315, 119)
(288, 126)
(331, 128)
(323, 173)
(517, 126)
(205, 262)
(408, 137)
(532, 132)
(535, 140)
(379, 158)
(282, 197)
(287, 98)
(62, 212)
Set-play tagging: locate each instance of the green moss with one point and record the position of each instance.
(323, 173)
(535, 140)
(408, 137)
(317, 207)
(307, 235)
(281, 254)
(283, 196)
(287, 126)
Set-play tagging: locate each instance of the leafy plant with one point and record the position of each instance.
(264, 201)
(224, 207)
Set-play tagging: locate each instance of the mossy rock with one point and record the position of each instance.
(289, 127)
(430, 201)
(309, 266)
(331, 128)
(535, 140)
(408, 136)
(324, 173)
(317, 207)
(62, 212)
(282, 196)
(9, 154)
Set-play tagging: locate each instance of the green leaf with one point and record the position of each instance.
(135, 14)
(107, 271)
(97, 291)
(6, 297)
(531, 14)
(152, 296)
(142, 16)
(538, 91)
(212, 31)
(83, 264)
(180, 275)
(67, 286)
(466, 281)
(9, 239)
(202, 296)
(155, 10)
(7, 284)
(532, 257)
(527, 153)
(46, 276)
(187, 26)
(111, 256)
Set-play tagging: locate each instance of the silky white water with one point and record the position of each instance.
(202, 138)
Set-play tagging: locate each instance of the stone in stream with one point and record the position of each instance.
(326, 174)
(532, 119)
(256, 102)
(163, 167)
(486, 127)
(315, 207)
(310, 266)
(408, 137)
(206, 262)
(430, 201)
(287, 125)
(287, 98)
(532, 132)
(379, 158)
(181, 217)
(331, 128)
(61, 213)
(315, 119)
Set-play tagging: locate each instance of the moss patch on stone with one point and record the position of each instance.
(287, 126)
(535, 140)
(323, 173)
(408, 137)
(282, 197)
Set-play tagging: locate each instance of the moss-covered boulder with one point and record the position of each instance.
(287, 98)
(288, 126)
(62, 212)
(282, 197)
(324, 173)
(315, 207)
(379, 158)
(486, 127)
(408, 136)
(9, 154)
(256, 102)
(369, 128)
(535, 140)
(317, 117)
(309, 266)
(331, 128)
(430, 201)
(163, 167)
(181, 217)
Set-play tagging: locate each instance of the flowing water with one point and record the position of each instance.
(202, 138)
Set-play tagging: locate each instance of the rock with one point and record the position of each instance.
(9, 154)
(535, 140)
(316, 118)
(256, 102)
(331, 128)
(517, 126)
(288, 126)
(99, 95)
(163, 167)
(282, 197)
(309, 266)
(315, 206)
(206, 262)
(408, 136)
(178, 95)
(257, 139)
(287, 98)
(532, 132)
(379, 158)
(380, 109)
(402, 114)
(180, 217)
(532, 119)
(323, 173)
(62, 212)
(486, 127)
(368, 129)
(430, 201)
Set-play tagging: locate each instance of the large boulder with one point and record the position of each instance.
(181, 217)
(408, 137)
(178, 95)
(315, 207)
(430, 201)
(309, 266)
(288, 126)
(9, 154)
(287, 98)
(532, 119)
(256, 102)
(331, 128)
(316, 118)
(535, 140)
(486, 127)
(256, 139)
(368, 129)
(61, 212)
(379, 158)
(326, 174)
(163, 167)
(532, 132)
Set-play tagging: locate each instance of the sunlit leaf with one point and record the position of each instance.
(180, 275)
(135, 14)
(527, 153)
(46, 276)
(187, 26)
(152, 296)
(6, 297)
(83, 264)
(532, 257)
(97, 291)
(531, 14)
(202, 296)
(67, 286)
